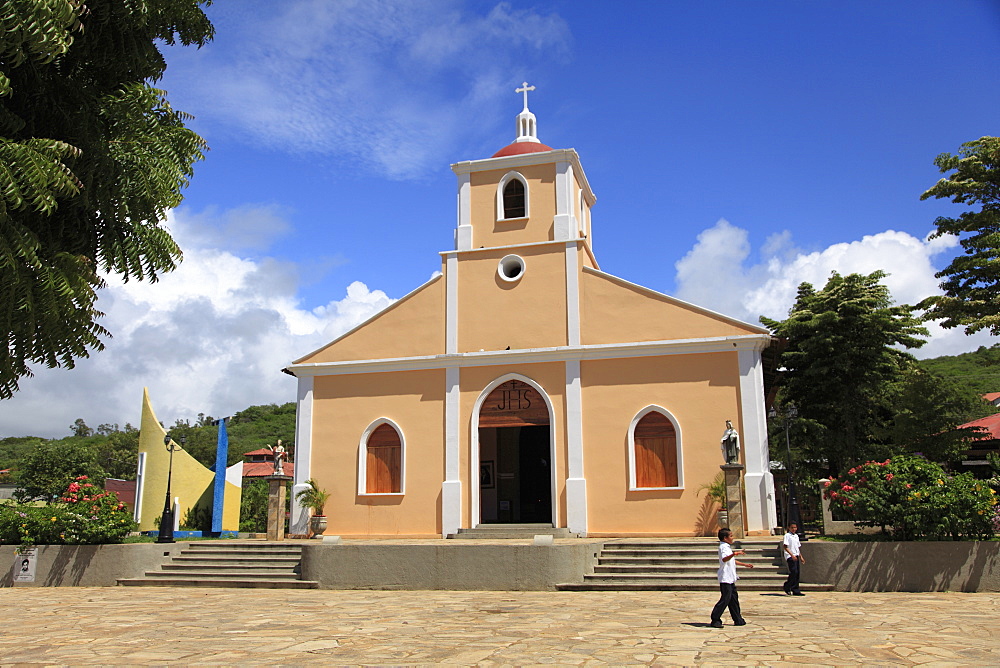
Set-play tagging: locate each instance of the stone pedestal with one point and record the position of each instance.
(277, 485)
(734, 497)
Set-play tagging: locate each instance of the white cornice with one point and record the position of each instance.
(525, 159)
(535, 355)
(489, 249)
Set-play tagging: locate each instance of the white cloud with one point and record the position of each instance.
(210, 337)
(391, 86)
(717, 273)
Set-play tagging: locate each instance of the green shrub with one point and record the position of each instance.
(85, 514)
(912, 498)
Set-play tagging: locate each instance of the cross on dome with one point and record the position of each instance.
(524, 89)
(526, 130)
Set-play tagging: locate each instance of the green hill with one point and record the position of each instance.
(979, 370)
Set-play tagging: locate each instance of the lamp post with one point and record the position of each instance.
(792, 514)
(167, 519)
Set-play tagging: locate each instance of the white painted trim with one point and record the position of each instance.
(299, 521)
(525, 159)
(572, 295)
(534, 355)
(463, 233)
(140, 486)
(653, 408)
(363, 459)
(675, 300)
(451, 304)
(451, 488)
(492, 249)
(507, 178)
(758, 482)
(576, 482)
(505, 262)
(474, 508)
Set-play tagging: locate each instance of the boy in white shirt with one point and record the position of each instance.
(727, 581)
(793, 557)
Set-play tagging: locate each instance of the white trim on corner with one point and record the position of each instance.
(717, 344)
(363, 459)
(653, 408)
(474, 506)
(572, 294)
(507, 178)
(526, 159)
(451, 304)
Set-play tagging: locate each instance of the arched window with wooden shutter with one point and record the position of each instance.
(382, 460)
(512, 197)
(654, 451)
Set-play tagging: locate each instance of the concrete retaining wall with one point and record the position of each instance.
(455, 565)
(88, 565)
(915, 566)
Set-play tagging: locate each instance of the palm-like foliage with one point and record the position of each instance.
(91, 158)
(313, 497)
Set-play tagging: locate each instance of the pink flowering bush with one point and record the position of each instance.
(85, 514)
(912, 498)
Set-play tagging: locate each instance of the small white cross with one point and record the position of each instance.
(524, 89)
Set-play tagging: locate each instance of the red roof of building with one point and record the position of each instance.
(262, 469)
(988, 426)
(991, 396)
(262, 451)
(522, 147)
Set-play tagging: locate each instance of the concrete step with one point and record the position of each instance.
(226, 564)
(512, 532)
(228, 568)
(244, 583)
(236, 560)
(225, 575)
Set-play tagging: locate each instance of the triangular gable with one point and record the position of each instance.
(612, 310)
(411, 327)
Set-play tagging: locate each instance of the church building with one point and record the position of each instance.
(523, 384)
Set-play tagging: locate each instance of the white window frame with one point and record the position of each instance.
(527, 200)
(631, 448)
(363, 459)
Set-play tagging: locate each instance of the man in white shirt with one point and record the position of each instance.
(727, 581)
(793, 557)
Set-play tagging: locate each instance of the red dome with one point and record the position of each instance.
(522, 147)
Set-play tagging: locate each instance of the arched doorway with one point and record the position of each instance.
(515, 455)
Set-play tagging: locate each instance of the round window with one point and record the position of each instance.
(511, 268)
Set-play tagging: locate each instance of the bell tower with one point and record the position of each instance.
(524, 193)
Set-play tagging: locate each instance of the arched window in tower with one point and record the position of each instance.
(382, 470)
(513, 199)
(654, 445)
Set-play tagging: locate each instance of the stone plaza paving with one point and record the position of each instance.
(74, 626)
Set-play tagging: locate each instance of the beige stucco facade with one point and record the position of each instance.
(515, 381)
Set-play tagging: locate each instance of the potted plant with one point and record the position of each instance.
(716, 491)
(314, 498)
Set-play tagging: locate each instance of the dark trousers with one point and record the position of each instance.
(730, 599)
(792, 583)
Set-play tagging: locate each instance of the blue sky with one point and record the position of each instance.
(736, 149)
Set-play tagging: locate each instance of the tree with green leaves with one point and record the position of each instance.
(929, 409)
(91, 158)
(46, 471)
(971, 283)
(840, 366)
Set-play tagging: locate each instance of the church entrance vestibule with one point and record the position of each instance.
(515, 475)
